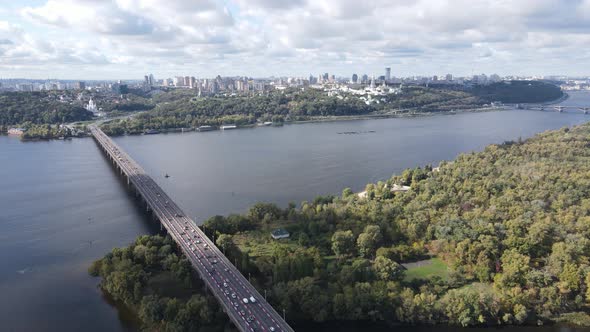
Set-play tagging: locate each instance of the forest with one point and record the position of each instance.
(514, 92)
(21, 108)
(497, 237)
(158, 284)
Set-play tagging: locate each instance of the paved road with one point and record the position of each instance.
(222, 278)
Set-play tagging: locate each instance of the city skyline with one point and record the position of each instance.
(124, 39)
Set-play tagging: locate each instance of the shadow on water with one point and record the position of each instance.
(128, 318)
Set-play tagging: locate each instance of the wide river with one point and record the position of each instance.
(62, 206)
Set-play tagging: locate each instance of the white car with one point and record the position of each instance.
(271, 329)
(252, 299)
(245, 300)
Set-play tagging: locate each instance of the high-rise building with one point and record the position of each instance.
(355, 78)
(449, 77)
(151, 80)
(187, 81)
(80, 85)
(387, 73)
(25, 87)
(178, 81)
(365, 78)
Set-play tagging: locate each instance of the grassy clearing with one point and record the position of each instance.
(575, 318)
(259, 243)
(433, 267)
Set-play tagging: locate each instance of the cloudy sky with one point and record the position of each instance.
(102, 39)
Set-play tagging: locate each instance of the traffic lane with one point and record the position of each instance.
(176, 229)
(214, 285)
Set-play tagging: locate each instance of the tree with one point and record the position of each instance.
(347, 192)
(343, 243)
(515, 268)
(260, 210)
(387, 270)
(225, 242)
(368, 240)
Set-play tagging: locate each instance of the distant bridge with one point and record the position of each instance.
(558, 108)
(223, 279)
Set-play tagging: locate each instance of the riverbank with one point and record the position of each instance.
(376, 116)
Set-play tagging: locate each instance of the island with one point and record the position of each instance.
(497, 237)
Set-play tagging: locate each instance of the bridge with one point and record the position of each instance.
(246, 308)
(558, 108)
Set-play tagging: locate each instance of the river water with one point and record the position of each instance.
(62, 206)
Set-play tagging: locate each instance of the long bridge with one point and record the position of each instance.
(558, 108)
(246, 308)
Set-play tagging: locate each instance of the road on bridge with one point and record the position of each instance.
(247, 309)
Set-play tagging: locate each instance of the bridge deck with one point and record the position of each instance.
(222, 278)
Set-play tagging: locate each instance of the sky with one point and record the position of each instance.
(126, 39)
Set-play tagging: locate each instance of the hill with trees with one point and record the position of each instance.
(514, 92)
(38, 108)
(182, 109)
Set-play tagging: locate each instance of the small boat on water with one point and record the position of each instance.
(151, 132)
(226, 127)
(205, 128)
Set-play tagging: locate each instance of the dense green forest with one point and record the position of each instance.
(515, 92)
(500, 237)
(158, 284)
(21, 108)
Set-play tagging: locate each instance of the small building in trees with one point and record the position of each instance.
(279, 233)
(16, 131)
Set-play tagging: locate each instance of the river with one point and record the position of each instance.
(62, 205)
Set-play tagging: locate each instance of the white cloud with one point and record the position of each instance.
(264, 37)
